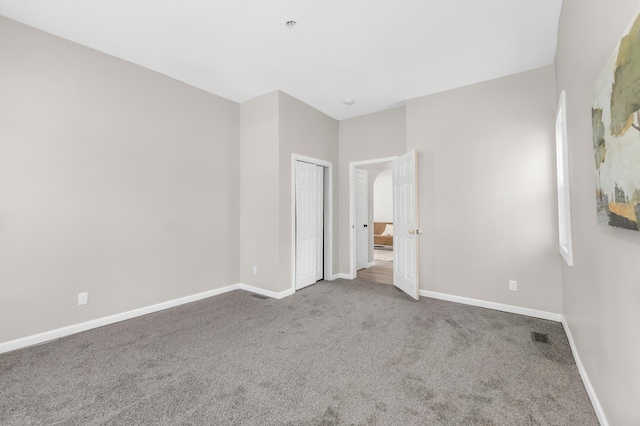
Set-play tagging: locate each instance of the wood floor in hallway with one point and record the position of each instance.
(381, 273)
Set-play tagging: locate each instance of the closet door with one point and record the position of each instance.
(309, 223)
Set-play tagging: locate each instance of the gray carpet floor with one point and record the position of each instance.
(342, 352)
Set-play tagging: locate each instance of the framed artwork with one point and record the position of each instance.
(615, 117)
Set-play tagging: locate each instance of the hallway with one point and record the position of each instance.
(381, 273)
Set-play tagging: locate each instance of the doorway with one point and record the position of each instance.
(359, 206)
(406, 232)
(382, 207)
(374, 214)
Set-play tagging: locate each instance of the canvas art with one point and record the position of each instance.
(616, 134)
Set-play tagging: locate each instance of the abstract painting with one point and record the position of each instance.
(615, 117)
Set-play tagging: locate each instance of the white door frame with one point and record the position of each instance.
(328, 216)
(353, 272)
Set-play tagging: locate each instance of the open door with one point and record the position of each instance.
(405, 224)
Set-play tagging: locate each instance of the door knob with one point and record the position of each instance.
(411, 231)
(419, 231)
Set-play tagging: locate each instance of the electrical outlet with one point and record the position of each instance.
(513, 285)
(255, 270)
(83, 298)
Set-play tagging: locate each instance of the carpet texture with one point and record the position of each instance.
(342, 352)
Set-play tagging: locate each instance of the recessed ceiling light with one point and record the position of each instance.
(291, 24)
(349, 101)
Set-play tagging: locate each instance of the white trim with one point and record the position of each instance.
(328, 215)
(551, 316)
(311, 160)
(268, 293)
(343, 276)
(353, 273)
(585, 377)
(48, 336)
(565, 244)
(111, 319)
(370, 264)
(335, 277)
(602, 418)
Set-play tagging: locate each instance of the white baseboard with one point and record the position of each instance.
(370, 264)
(536, 314)
(493, 305)
(344, 276)
(268, 293)
(585, 377)
(47, 336)
(112, 319)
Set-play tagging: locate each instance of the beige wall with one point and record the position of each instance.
(383, 196)
(259, 212)
(602, 290)
(487, 190)
(378, 135)
(114, 180)
(132, 186)
(304, 131)
(274, 127)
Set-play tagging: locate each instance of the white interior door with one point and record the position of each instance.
(362, 230)
(309, 223)
(405, 224)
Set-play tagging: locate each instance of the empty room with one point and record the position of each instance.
(187, 221)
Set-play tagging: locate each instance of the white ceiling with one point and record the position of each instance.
(378, 52)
